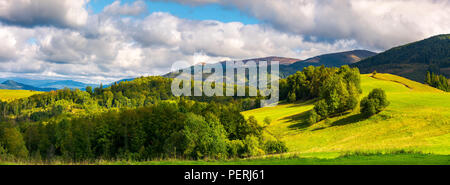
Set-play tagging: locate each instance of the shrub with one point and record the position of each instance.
(251, 146)
(275, 147)
(374, 103)
(267, 120)
(313, 117)
(235, 148)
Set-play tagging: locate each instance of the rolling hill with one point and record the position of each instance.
(412, 60)
(328, 60)
(417, 120)
(13, 85)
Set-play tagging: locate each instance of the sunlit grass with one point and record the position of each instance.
(10, 95)
(395, 158)
(418, 119)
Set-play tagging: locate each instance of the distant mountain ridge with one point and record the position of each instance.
(289, 66)
(328, 60)
(342, 58)
(412, 60)
(10, 84)
(41, 85)
(66, 84)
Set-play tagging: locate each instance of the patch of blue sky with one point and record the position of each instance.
(31, 41)
(201, 12)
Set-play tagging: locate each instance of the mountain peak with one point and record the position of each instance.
(11, 84)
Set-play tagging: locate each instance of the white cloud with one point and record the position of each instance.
(110, 48)
(63, 13)
(375, 24)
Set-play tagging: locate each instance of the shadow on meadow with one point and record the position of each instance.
(349, 120)
(300, 120)
(300, 103)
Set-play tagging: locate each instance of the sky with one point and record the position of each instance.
(96, 41)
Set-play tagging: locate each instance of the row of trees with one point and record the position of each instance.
(438, 81)
(181, 129)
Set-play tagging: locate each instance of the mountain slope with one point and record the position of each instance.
(13, 85)
(340, 59)
(417, 119)
(281, 60)
(49, 84)
(328, 60)
(289, 66)
(412, 60)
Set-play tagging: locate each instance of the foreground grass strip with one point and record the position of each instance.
(376, 159)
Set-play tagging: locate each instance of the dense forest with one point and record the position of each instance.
(142, 120)
(183, 129)
(140, 92)
(137, 120)
(412, 60)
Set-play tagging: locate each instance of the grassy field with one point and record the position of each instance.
(376, 159)
(418, 120)
(355, 159)
(9, 95)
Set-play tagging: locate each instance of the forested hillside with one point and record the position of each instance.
(412, 60)
(140, 92)
(138, 120)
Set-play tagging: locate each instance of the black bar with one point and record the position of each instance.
(272, 174)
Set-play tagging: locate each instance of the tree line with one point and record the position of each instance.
(437, 81)
(140, 92)
(178, 129)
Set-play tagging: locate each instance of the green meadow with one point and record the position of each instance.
(9, 95)
(397, 158)
(417, 120)
(374, 159)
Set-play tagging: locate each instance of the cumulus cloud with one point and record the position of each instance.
(375, 24)
(63, 13)
(114, 48)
